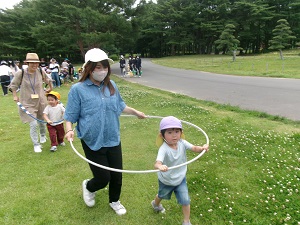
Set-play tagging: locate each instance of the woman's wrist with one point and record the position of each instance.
(69, 131)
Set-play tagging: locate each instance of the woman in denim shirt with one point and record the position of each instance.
(95, 104)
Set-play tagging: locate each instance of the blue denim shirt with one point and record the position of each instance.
(96, 114)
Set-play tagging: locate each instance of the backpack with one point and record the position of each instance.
(40, 69)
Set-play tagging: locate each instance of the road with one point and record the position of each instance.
(275, 96)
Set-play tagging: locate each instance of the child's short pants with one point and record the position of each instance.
(181, 192)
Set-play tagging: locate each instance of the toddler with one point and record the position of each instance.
(172, 152)
(53, 114)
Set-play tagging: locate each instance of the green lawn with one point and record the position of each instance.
(264, 65)
(249, 176)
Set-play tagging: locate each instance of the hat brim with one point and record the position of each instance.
(159, 140)
(33, 60)
(109, 60)
(56, 95)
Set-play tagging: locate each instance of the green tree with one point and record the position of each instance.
(81, 25)
(15, 31)
(282, 35)
(251, 20)
(65, 28)
(68, 28)
(227, 41)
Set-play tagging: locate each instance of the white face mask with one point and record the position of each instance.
(99, 75)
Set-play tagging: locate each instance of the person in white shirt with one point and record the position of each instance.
(54, 67)
(5, 73)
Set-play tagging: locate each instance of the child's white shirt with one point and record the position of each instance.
(55, 113)
(171, 157)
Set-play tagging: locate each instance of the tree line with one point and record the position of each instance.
(67, 29)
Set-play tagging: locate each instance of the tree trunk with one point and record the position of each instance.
(234, 55)
(281, 55)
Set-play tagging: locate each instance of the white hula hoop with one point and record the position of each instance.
(145, 171)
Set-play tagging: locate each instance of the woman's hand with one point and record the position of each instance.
(16, 98)
(140, 115)
(69, 135)
(135, 112)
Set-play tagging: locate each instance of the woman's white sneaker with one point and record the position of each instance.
(37, 148)
(118, 207)
(43, 139)
(88, 197)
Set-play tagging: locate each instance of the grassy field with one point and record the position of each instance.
(264, 65)
(249, 176)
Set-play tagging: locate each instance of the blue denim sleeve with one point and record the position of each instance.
(121, 103)
(73, 106)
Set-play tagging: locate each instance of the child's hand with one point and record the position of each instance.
(163, 168)
(49, 122)
(205, 147)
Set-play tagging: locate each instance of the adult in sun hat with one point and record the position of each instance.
(172, 152)
(32, 97)
(95, 104)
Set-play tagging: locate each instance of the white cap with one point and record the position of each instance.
(96, 55)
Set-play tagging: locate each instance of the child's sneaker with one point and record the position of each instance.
(62, 144)
(37, 148)
(188, 223)
(88, 197)
(53, 148)
(158, 208)
(118, 207)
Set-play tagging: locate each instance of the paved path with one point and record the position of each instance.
(275, 96)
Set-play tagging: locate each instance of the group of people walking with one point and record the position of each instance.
(59, 73)
(7, 72)
(132, 68)
(95, 105)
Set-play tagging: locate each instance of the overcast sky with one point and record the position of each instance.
(10, 3)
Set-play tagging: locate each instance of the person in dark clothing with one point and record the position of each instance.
(130, 62)
(71, 72)
(134, 69)
(122, 65)
(138, 63)
(43, 64)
